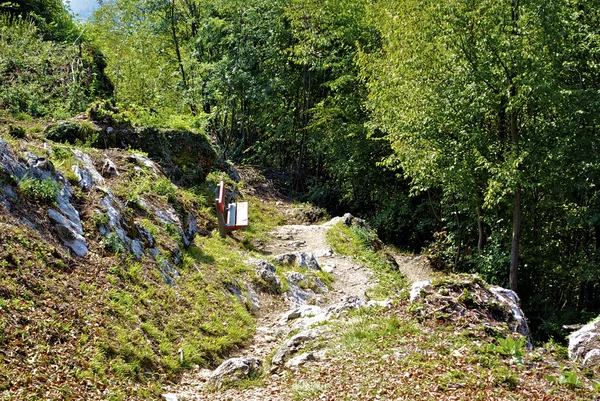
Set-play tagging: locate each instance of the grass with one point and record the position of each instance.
(364, 246)
(113, 327)
(388, 354)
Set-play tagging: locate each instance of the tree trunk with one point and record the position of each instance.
(514, 252)
(481, 232)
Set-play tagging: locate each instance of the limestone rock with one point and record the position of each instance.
(497, 303)
(69, 232)
(109, 169)
(293, 345)
(120, 223)
(584, 344)
(9, 163)
(418, 288)
(250, 298)
(143, 161)
(168, 273)
(508, 297)
(297, 296)
(190, 229)
(86, 172)
(266, 272)
(299, 259)
(235, 369)
(299, 360)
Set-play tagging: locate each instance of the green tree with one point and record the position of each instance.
(490, 102)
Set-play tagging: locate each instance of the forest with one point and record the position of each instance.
(465, 130)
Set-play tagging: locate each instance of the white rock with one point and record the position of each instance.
(417, 288)
(584, 341)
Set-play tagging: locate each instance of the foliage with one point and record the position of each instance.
(50, 16)
(482, 106)
(73, 133)
(42, 77)
(16, 131)
(512, 347)
(45, 191)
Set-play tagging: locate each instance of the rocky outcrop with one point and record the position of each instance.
(86, 172)
(62, 214)
(235, 369)
(293, 345)
(299, 259)
(584, 344)
(265, 271)
(70, 232)
(469, 297)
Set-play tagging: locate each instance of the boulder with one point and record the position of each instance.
(235, 369)
(190, 228)
(418, 289)
(462, 295)
(266, 272)
(300, 360)
(109, 169)
(584, 344)
(143, 161)
(510, 298)
(121, 224)
(293, 345)
(297, 296)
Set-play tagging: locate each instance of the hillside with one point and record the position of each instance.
(117, 286)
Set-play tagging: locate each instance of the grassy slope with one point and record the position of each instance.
(107, 327)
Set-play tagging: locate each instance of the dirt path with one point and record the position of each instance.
(350, 279)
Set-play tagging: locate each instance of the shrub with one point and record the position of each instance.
(45, 191)
(73, 133)
(16, 131)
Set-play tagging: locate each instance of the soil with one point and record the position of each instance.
(350, 279)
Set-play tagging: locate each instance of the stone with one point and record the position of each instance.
(318, 285)
(109, 169)
(250, 298)
(299, 259)
(510, 298)
(418, 288)
(143, 161)
(168, 273)
(293, 345)
(87, 174)
(297, 278)
(123, 226)
(9, 163)
(266, 272)
(190, 229)
(301, 311)
(329, 268)
(70, 233)
(235, 369)
(584, 344)
(592, 358)
(297, 296)
(299, 360)
(145, 235)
